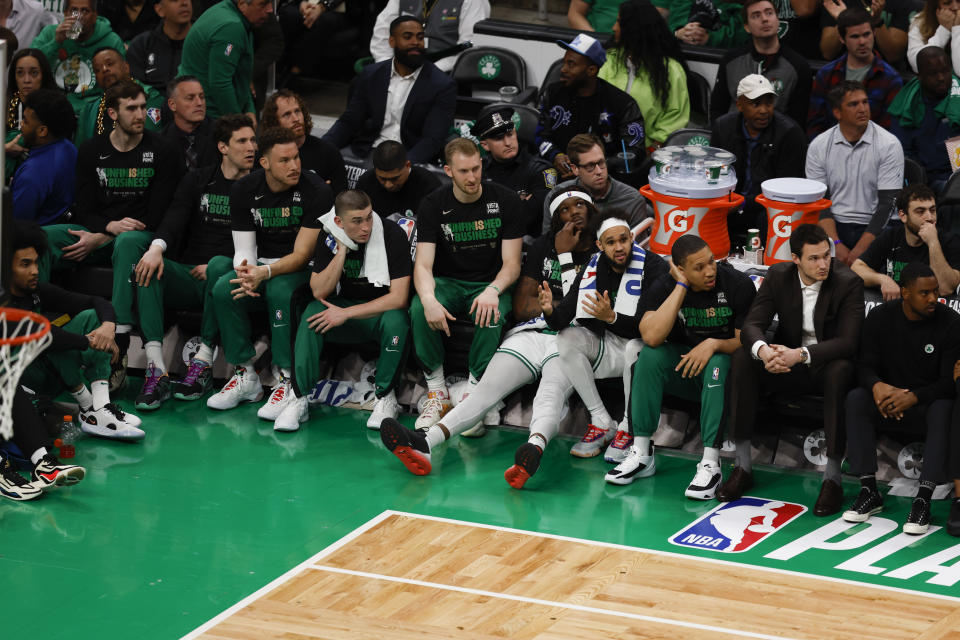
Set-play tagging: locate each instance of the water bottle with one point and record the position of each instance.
(69, 434)
(77, 27)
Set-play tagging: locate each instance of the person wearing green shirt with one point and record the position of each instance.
(219, 51)
(593, 15)
(709, 23)
(72, 59)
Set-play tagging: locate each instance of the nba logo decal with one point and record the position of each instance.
(395, 341)
(407, 224)
(737, 526)
(716, 373)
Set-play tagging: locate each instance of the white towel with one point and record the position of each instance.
(375, 268)
(628, 296)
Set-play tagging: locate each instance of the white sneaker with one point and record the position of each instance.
(437, 405)
(635, 465)
(240, 388)
(109, 421)
(705, 481)
(280, 396)
(386, 407)
(294, 411)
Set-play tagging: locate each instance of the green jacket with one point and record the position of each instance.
(219, 51)
(728, 31)
(87, 120)
(909, 109)
(72, 61)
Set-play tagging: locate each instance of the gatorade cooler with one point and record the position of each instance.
(790, 202)
(692, 190)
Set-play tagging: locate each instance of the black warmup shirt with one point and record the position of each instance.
(542, 264)
(59, 306)
(468, 236)
(323, 159)
(889, 253)
(355, 287)
(706, 314)
(404, 203)
(196, 227)
(277, 217)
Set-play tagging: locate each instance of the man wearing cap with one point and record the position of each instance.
(530, 176)
(767, 145)
(406, 98)
(580, 102)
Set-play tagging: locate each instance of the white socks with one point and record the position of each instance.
(435, 436)
(101, 393)
(38, 455)
(123, 328)
(435, 380)
(83, 397)
(642, 443)
(538, 440)
(204, 354)
(712, 455)
(154, 350)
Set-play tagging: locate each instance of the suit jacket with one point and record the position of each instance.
(837, 316)
(426, 119)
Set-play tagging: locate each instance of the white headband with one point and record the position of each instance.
(610, 223)
(560, 197)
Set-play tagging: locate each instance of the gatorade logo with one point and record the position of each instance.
(781, 226)
(677, 220)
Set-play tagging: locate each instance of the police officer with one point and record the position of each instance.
(507, 164)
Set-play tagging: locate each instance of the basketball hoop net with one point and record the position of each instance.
(23, 335)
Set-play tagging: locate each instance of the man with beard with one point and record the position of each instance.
(531, 177)
(286, 109)
(406, 98)
(190, 130)
(583, 103)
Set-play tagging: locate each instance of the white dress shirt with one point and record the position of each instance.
(397, 93)
(26, 20)
(809, 294)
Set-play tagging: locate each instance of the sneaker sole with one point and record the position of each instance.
(477, 431)
(114, 436)
(192, 396)
(622, 480)
(413, 460)
(915, 529)
(20, 496)
(708, 494)
(143, 406)
(616, 458)
(516, 476)
(234, 406)
(853, 516)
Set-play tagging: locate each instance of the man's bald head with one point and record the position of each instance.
(934, 72)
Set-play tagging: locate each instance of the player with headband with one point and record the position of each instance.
(529, 351)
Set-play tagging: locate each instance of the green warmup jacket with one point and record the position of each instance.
(219, 51)
(87, 120)
(727, 31)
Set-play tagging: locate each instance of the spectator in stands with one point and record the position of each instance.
(530, 176)
(25, 18)
(267, 51)
(275, 218)
(859, 64)
(219, 51)
(916, 240)
(711, 23)
(889, 19)
(123, 186)
(607, 301)
(308, 28)
(406, 98)
(83, 346)
(934, 26)
(647, 63)
(786, 69)
(186, 259)
(360, 287)
(819, 306)
(593, 15)
(767, 145)
(583, 103)
(586, 155)
(468, 257)
(447, 23)
(862, 166)
(109, 68)
(43, 186)
(528, 353)
(904, 383)
(926, 113)
(155, 54)
(72, 60)
(28, 72)
(286, 109)
(130, 18)
(691, 323)
(395, 186)
(11, 39)
(190, 130)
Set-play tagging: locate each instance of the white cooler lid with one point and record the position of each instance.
(692, 189)
(793, 189)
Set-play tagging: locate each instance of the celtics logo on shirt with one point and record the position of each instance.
(352, 268)
(459, 233)
(276, 218)
(894, 268)
(705, 318)
(73, 73)
(215, 209)
(118, 178)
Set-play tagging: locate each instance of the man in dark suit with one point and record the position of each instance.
(405, 99)
(819, 303)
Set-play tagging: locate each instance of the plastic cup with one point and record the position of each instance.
(508, 93)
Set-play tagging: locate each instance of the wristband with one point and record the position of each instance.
(684, 285)
(565, 258)
(836, 241)
(494, 287)
(269, 272)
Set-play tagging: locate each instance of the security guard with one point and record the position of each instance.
(507, 164)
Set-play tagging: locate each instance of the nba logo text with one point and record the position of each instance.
(737, 526)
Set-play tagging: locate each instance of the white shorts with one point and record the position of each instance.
(533, 348)
(613, 353)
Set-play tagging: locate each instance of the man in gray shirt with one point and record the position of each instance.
(862, 166)
(589, 164)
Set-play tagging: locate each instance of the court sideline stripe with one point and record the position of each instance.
(671, 554)
(286, 577)
(552, 603)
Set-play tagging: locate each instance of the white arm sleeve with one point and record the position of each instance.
(380, 41)
(244, 247)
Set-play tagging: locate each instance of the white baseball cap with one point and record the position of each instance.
(755, 85)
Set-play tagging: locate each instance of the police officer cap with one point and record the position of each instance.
(495, 124)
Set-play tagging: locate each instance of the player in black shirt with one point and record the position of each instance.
(528, 353)
(187, 258)
(275, 217)
(359, 295)
(691, 324)
(468, 257)
(908, 349)
(917, 240)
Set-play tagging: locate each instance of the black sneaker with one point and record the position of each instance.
(868, 503)
(408, 445)
(50, 472)
(195, 383)
(919, 519)
(14, 486)
(953, 520)
(526, 461)
(155, 390)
